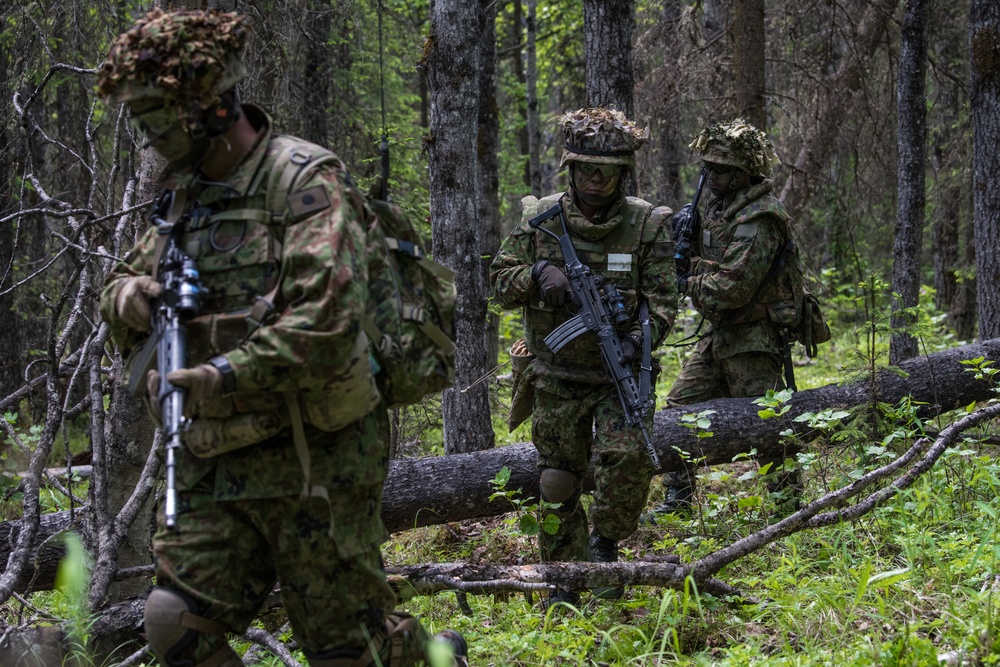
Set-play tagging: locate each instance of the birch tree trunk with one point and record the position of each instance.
(911, 129)
(453, 61)
(984, 48)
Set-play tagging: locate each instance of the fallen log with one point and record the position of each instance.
(435, 490)
(428, 491)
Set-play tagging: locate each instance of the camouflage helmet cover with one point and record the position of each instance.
(602, 135)
(188, 58)
(737, 143)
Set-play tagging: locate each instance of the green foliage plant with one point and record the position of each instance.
(531, 516)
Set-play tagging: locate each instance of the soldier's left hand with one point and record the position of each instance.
(630, 348)
(202, 381)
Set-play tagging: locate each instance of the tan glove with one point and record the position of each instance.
(132, 302)
(201, 382)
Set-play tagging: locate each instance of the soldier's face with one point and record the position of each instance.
(593, 180)
(161, 128)
(723, 178)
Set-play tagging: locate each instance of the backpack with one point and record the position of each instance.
(411, 320)
(809, 327)
(410, 316)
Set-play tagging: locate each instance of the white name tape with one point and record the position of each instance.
(619, 262)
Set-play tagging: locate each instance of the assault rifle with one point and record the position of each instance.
(181, 301)
(601, 308)
(687, 226)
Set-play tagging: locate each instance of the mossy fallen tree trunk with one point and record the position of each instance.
(429, 491)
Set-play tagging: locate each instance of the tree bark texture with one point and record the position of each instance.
(531, 95)
(984, 48)
(488, 148)
(748, 61)
(453, 71)
(911, 129)
(607, 29)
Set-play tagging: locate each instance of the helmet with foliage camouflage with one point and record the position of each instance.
(737, 143)
(187, 58)
(601, 135)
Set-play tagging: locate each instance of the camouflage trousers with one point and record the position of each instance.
(704, 377)
(571, 422)
(227, 556)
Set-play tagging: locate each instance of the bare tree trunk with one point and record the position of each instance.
(488, 150)
(911, 129)
(317, 72)
(836, 100)
(964, 312)
(984, 47)
(607, 31)
(531, 94)
(748, 61)
(453, 72)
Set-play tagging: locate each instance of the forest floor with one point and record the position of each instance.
(913, 583)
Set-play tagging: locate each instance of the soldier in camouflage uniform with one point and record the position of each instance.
(576, 411)
(732, 284)
(253, 507)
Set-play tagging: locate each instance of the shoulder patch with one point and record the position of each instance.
(663, 249)
(747, 230)
(308, 202)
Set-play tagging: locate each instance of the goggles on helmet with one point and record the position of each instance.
(589, 168)
(720, 169)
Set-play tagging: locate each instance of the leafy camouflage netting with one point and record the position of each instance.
(186, 57)
(601, 129)
(738, 143)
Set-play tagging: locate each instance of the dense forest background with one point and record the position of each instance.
(883, 112)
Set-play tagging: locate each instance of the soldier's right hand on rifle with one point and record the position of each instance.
(132, 304)
(552, 283)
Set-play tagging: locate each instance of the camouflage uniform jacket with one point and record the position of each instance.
(737, 247)
(628, 244)
(313, 349)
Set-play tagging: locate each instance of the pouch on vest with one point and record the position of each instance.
(522, 399)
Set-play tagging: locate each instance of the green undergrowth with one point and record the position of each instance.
(914, 582)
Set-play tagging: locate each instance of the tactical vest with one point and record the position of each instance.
(236, 244)
(738, 221)
(616, 257)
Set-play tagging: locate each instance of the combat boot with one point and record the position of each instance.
(676, 500)
(456, 642)
(561, 596)
(602, 550)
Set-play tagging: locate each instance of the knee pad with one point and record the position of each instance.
(563, 487)
(558, 486)
(172, 628)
